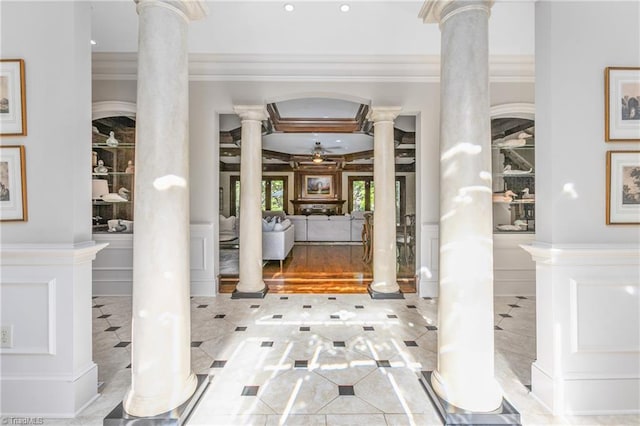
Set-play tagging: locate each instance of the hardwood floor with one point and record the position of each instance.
(322, 269)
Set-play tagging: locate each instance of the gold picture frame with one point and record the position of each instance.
(318, 186)
(13, 184)
(623, 188)
(13, 101)
(622, 104)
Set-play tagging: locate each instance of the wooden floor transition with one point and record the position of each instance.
(322, 269)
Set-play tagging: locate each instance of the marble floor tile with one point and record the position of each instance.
(297, 420)
(380, 367)
(356, 419)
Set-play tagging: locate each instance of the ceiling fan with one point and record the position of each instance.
(318, 152)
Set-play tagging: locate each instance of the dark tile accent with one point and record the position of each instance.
(220, 316)
(359, 307)
(305, 328)
(94, 297)
(427, 298)
(128, 366)
(250, 390)
(334, 316)
(411, 306)
(98, 306)
(202, 306)
(266, 344)
(112, 328)
(383, 363)
(346, 390)
(241, 329)
(122, 345)
(332, 298)
(195, 344)
(495, 327)
(520, 297)
(339, 344)
(368, 328)
(277, 316)
(254, 306)
(284, 297)
(301, 363)
(410, 343)
(528, 387)
(306, 306)
(104, 316)
(505, 315)
(515, 306)
(432, 328)
(219, 363)
(391, 316)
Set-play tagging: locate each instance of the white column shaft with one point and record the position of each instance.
(250, 196)
(384, 218)
(465, 373)
(161, 366)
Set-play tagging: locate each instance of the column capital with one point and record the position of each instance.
(433, 11)
(377, 114)
(251, 112)
(190, 10)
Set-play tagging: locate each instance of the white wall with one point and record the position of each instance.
(53, 40)
(575, 42)
(46, 262)
(587, 272)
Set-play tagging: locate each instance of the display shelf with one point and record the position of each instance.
(117, 161)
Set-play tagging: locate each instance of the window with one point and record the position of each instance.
(274, 193)
(362, 194)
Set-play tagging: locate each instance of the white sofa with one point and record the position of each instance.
(276, 245)
(328, 228)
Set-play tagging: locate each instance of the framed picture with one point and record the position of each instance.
(622, 104)
(623, 187)
(13, 108)
(13, 184)
(317, 186)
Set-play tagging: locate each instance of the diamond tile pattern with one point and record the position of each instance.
(311, 369)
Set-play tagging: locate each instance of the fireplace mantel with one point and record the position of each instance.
(317, 206)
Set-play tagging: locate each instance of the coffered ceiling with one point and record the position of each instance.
(335, 130)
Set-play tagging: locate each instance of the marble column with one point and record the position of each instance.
(465, 372)
(384, 285)
(161, 343)
(251, 284)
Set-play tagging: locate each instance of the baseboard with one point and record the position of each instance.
(124, 288)
(50, 397)
(585, 395)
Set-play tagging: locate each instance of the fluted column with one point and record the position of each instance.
(251, 284)
(384, 285)
(161, 366)
(465, 372)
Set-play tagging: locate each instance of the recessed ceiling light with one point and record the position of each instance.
(289, 7)
(345, 8)
(338, 140)
(93, 42)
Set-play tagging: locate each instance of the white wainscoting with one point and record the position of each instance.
(45, 294)
(113, 267)
(514, 271)
(588, 332)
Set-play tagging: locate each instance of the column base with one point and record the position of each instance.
(176, 417)
(379, 295)
(506, 414)
(250, 294)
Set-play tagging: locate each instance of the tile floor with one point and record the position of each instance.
(320, 360)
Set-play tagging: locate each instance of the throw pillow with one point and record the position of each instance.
(227, 224)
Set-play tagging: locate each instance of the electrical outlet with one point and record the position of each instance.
(6, 336)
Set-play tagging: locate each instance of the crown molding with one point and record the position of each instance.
(315, 68)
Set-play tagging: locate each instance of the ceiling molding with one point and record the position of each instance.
(309, 68)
